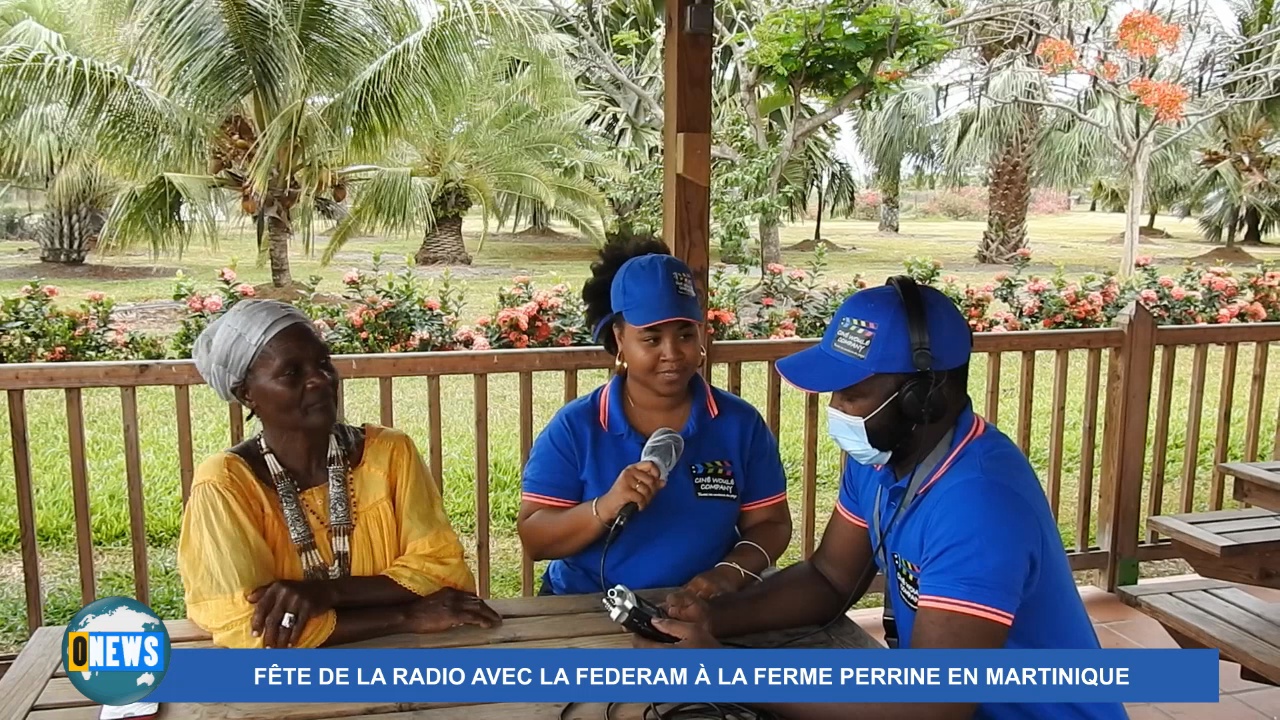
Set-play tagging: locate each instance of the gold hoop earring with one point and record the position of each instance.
(619, 365)
(703, 350)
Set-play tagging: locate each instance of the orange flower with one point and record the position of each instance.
(1165, 98)
(1057, 55)
(1143, 33)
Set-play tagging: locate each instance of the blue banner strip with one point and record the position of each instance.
(487, 675)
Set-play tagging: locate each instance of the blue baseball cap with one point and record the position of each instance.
(869, 336)
(652, 289)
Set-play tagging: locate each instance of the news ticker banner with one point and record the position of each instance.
(487, 675)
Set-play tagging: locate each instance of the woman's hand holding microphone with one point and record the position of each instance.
(637, 483)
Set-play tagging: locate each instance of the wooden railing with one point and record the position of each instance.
(1087, 430)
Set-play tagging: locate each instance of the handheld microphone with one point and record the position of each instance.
(663, 449)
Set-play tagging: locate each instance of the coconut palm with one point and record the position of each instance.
(1238, 187)
(498, 129)
(898, 128)
(264, 100)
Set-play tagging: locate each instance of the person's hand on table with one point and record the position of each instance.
(449, 608)
(300, 600)
(688, 618)
(716, 581)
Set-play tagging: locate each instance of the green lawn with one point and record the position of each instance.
(1077, 240)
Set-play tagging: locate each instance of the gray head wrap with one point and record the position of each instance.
(226, 349)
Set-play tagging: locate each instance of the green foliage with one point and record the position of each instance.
(830, 48)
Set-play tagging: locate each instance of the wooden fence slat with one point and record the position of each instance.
(26, 507)
(735, 378)
(1057, 432)
(386, 402)
(526, 442)
(1226, 397)
(1257, 391)
(137, 509)
(342, 399)
(570, 386)
(186, 450)
(1088, 443)
(992, 411)
(773, 400)
(810, 471)
(482, 484)
(1026, 401)
(1195, 409)
(236, 421)
(1160, 446)
(80, 494)
(436, 430)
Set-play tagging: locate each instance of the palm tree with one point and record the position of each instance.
(265, 101)
(1238, 186)
(900, 127)
(39, 150)
(498, 129)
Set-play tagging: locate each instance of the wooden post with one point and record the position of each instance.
(686, 154)
(1120, 497)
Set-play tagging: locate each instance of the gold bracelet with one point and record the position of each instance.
(593, 512)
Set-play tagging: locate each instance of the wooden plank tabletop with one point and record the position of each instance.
(1257, 483)
(36, 687)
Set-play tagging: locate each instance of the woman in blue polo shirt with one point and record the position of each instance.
(719, 519)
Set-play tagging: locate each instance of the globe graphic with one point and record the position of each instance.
(116, 614)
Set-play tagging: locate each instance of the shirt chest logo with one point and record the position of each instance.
(714, 480)
(908, 577)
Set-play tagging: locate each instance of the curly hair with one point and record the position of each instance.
(596, 291)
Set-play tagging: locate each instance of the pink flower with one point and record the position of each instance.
(1143, 261)
(352, 277)
(521, 280)
(227, 275)
(246, 290)
(433, 304)
(1166, 281)
(797, 274)
(364, 335)
(1024, 253)
(97, 296)
(1255, 312)
(322, 326)
(481, 343)
(774, 269)
(1178, 293)
(213, 303)
(1002, 276)
(49, 291)
(1096, 299)
(195, 303)
(1148, 296)
(768, 302)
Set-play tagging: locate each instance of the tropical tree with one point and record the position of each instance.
(500, 128)
(266, 102)
(38, 149)
(892, 130)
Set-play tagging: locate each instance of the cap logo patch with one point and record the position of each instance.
(853, 337)
(684, 283)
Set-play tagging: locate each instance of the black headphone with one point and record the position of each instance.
(920, 398)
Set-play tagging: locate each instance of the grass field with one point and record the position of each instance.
(1077, 240)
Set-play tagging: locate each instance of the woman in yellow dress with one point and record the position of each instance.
(312, 532)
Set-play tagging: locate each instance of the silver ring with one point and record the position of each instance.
(287, 620)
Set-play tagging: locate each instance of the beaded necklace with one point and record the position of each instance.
(341, 523)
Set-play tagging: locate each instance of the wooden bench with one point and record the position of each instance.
(1207, 613)
(1240, 546)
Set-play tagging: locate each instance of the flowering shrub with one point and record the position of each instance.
(866, 205)
(529, 318)
(202, 309)
(388, 312)
(966, 203)
(1142, 34)
(385, 312)
(32, 329)
(1167, 99)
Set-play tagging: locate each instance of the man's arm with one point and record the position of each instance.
(933, 629)
(809, 593)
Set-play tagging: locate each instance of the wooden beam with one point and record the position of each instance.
(686, 166)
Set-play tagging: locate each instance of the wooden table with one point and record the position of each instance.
(1256, 483)
(36, 687)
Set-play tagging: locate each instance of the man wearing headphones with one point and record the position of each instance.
(936, 498)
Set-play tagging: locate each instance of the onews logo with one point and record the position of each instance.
(115, 651)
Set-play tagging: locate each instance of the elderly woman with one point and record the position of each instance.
(719, 519)
(311, 533)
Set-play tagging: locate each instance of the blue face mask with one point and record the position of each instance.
(850, 433)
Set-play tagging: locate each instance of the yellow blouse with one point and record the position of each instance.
(234, 537)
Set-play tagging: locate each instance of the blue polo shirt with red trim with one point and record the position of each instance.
(730, 464)
(979, 539)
